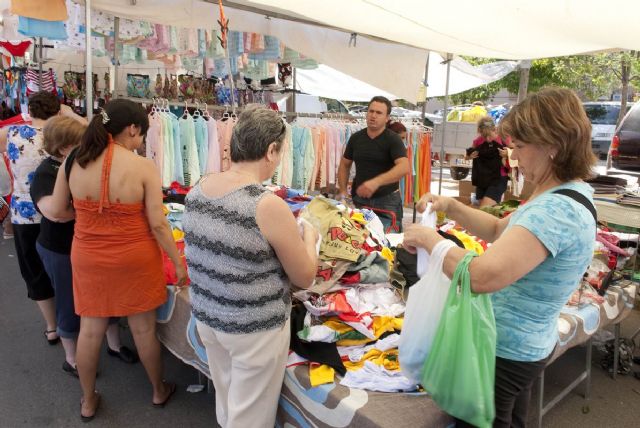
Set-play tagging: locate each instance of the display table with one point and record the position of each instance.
(619, 216)
(334, 405)
(576, 326)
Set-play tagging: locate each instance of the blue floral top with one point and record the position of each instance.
(25, 152)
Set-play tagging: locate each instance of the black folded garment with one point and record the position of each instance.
(318, 352)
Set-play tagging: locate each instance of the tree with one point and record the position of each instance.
(591, 76)
(542, 74)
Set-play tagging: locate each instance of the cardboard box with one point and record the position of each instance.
(465, 188)
(527, 190)
(464, 199)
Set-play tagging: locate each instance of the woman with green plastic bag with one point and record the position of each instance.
(538, 254)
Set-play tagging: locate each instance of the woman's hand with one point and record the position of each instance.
(438, 203)
(181, 273)
(417, 236)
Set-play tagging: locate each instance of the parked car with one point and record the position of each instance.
(603, 117)
(624, 152)
(358, 110)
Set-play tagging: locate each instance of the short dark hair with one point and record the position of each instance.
(256, 129)
(383, 100)
(43, 105)
(397, 127)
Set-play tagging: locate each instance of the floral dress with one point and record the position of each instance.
(25, 153)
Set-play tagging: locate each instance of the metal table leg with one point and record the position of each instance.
(616, 350)
(585, 377)
(587, 387)
(540, 398)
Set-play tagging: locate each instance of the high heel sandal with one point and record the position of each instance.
(51, 341)
(90, 418)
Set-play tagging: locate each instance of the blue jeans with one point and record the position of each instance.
(58, 267)
(391, 202)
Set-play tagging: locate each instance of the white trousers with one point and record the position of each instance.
(247, 372)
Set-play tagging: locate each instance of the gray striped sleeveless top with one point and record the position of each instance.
(238, 285)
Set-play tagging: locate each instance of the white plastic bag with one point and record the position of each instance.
(421, 317)
(428, 220)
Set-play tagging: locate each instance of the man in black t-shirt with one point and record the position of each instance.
(381, 162)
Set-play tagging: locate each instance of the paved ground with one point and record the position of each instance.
(35, 392)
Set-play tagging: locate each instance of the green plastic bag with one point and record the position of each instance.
(460, 370)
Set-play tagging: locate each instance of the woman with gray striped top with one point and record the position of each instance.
(243, 249)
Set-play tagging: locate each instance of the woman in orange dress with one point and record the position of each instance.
(116, 258)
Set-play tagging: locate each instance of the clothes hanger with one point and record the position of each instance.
(205, 113)
(186, 114)
(197, 113)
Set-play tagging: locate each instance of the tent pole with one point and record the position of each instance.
(424, 111)
(444, 121)
(294, 89)
(116, 59)
(40, 63)
(233, 101)
(89, 61)
(426, 86)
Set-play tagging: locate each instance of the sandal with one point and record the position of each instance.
(51, 341)
(172, 390)
(90, 418)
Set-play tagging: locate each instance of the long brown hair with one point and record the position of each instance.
(115, 117)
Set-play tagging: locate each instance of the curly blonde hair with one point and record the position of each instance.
(486, 126)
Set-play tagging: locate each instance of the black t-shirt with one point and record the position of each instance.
(486, 167)
(56, 237)
(374, 157)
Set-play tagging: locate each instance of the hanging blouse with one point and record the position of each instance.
(213, 159)
(190, 163)
(168, 166)
(55, 10)
(202, 142)
(178, 173)
(225, 130)
(154, 140)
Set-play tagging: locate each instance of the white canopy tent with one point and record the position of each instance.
(331, 83)
(507, 29)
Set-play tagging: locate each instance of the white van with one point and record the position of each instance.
(603, 116)
(313, 104)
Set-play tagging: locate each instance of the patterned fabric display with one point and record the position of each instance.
(138, 85)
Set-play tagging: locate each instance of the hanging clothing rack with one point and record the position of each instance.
(200, 105)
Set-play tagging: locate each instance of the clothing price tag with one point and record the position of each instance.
(76, 103)
(95, 105)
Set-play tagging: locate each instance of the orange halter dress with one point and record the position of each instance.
(116, 261)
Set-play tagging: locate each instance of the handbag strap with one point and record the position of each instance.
(581, 199)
